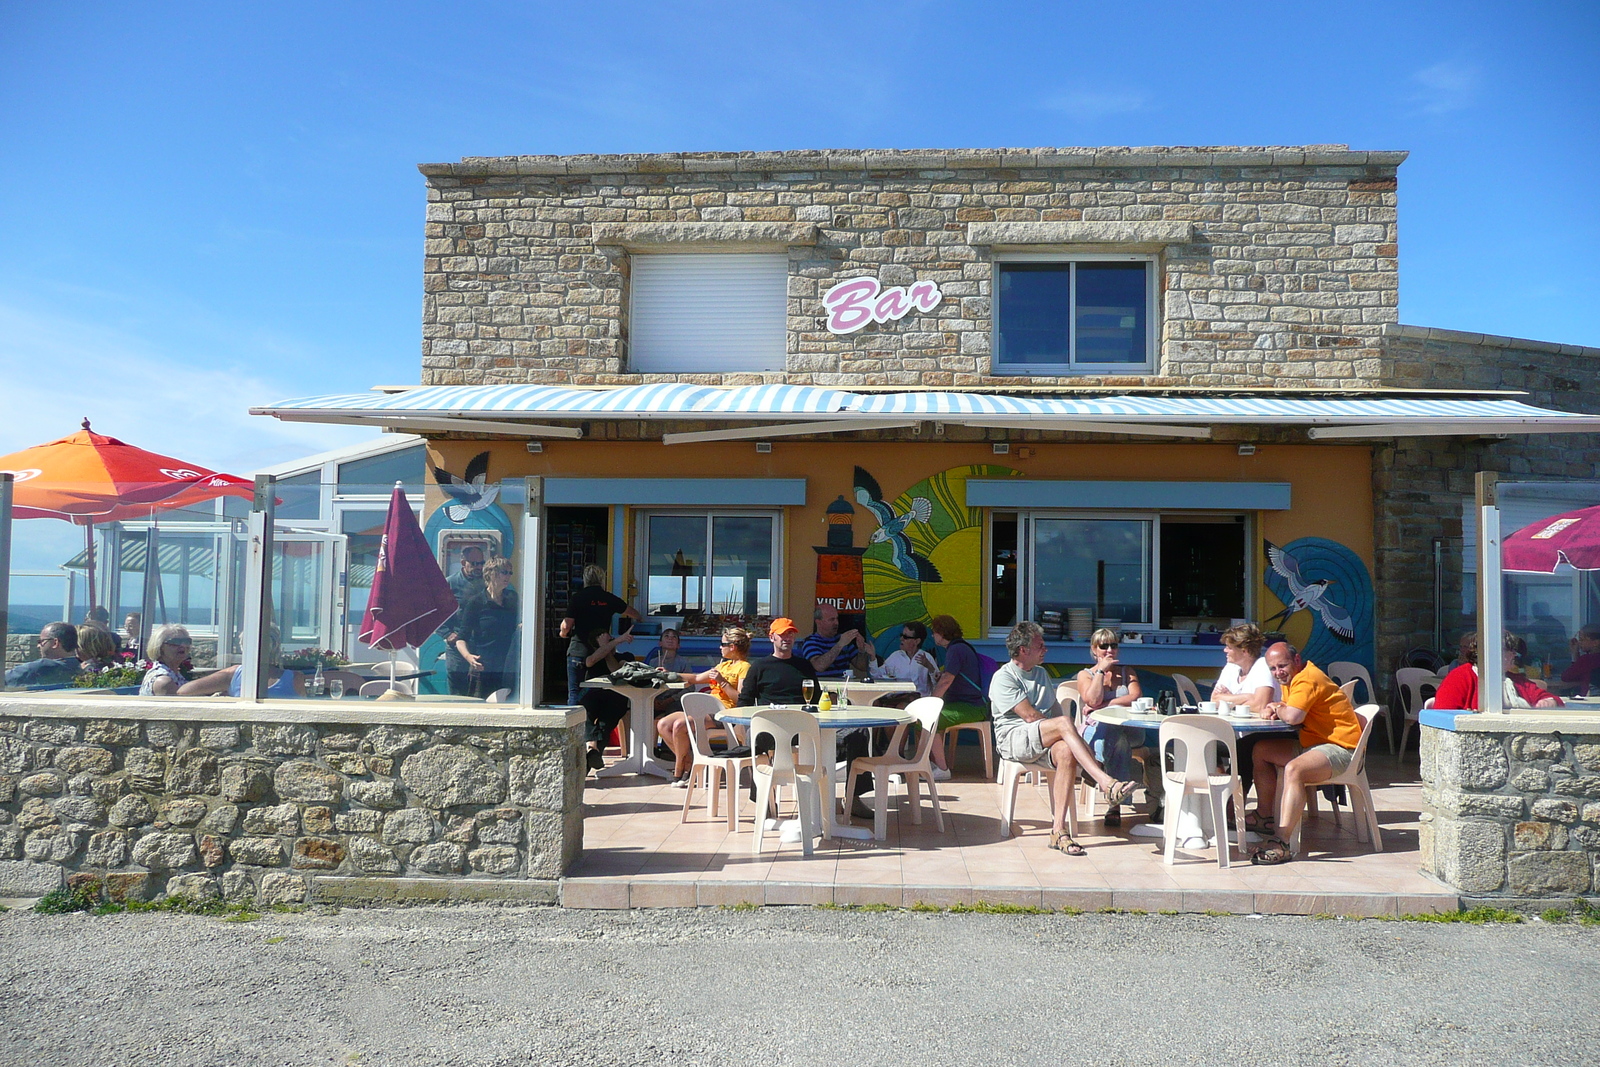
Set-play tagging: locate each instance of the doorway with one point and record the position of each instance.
(576, 538)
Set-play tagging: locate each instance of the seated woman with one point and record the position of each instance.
(959, 684)
(1109, 684)
(604, 707)
(725, 680)
(281, 683)
(1246, 682)
(171, 645)
(668, 657)
(1459, 690)
(97, 648)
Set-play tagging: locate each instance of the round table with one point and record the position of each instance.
(641, 757)
(1194, 818)
(849, 717)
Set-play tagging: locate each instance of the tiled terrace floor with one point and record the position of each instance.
(638, 853)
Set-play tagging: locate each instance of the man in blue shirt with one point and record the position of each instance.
(831, 652)
(58, 658)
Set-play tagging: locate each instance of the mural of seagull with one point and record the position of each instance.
(912, 564)
(1307, 596)
(469, 493)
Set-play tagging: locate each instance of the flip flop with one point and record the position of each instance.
(1062, 843)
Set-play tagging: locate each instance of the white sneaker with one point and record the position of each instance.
(771, 824)
(940, 774)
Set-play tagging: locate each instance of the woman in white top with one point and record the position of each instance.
(171, 645)
(1246, 682)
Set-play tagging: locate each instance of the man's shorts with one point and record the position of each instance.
(1022, 744)
(1338, 756)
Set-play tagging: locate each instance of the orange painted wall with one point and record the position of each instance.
(1331, 496)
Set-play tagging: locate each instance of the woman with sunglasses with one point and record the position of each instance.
(910, 662)
(725, 680)
(1109, 683)
(171, 645)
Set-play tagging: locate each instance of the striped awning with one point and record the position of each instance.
(813, 409)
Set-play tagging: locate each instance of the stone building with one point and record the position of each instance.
(1080, 384)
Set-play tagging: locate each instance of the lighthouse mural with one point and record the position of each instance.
(839, 581)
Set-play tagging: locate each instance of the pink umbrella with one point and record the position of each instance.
(1572, 538)
(410, 596)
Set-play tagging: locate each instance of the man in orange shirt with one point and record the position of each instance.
(1329, 733)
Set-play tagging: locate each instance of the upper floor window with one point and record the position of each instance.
(708, 311)
(1075, 315)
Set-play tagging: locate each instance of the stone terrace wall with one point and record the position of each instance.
(1512, 813)
(179, 800)
(1421, 483)
(1287, 272)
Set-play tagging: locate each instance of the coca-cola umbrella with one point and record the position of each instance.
(89, 478)
(410, 595)
(1573, 538)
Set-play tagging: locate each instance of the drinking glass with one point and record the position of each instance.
(844, 690)
(808, 687)
(336, 688)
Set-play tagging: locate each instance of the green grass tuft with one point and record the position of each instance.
(1474, 916)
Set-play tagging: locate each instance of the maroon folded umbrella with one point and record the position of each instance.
(410, 595)
(1572, 537)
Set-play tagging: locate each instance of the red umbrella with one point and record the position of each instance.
(410, 596)
(1572, 537)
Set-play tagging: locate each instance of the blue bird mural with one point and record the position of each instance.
(891, 528)
(1331, 583)
(469, 492)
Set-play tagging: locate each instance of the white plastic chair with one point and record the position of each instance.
(382, 685)
(806, 774)
(1188, 692)
(1345, 671)
(1409, 683)
(1011, 773)
(1204, 738)
(498, 696)
(919, 766)
(1355, 780)
(699, 713)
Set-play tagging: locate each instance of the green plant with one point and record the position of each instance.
(743, 905)
(64, 900)
(307, 659)
(985, 907)
(278, 940)
(110, 678)
(1475, 916)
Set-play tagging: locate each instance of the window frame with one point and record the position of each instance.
(1027, 608)
(1073, 368)
(641, 549)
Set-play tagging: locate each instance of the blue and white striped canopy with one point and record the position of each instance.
(430, 406)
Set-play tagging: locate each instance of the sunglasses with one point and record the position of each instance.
(179, 644)
(1107, 648)
(910, 637)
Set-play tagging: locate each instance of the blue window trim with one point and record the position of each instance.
(1439, 718)
(1209, 496)
(677, 492)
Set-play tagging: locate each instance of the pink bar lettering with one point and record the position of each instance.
(891, 305)
(849, 304)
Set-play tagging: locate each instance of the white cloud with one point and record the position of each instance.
(1445, 87)
(1088, 106)
(55, 371)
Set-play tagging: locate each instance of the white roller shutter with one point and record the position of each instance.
(716, 311)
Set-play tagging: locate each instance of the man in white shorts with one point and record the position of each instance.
(1030, 727)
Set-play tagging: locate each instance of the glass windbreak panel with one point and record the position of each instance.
(299, 497)
(1112, 315)
(675, 567)
(741, 567)
(1102, 565)
(1003, 571)
(1034, 317)
(379, 473)
(363, 531)
(1550, 580)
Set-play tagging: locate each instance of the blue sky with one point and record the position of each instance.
(212, 205)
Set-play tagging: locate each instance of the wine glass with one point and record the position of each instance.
(808, 687)
(336, 688)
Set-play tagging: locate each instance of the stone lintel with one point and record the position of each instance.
(1152, 235)
(704, 236)
(56, 705)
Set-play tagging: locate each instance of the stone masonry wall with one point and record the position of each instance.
(1421, 483)
(1511, 814)
(258, 811)
(1288, 276)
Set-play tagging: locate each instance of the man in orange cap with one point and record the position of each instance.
(776, 679)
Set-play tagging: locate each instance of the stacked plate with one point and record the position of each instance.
(1080, 622)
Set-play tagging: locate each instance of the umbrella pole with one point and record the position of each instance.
(88, 547)
(394, 660)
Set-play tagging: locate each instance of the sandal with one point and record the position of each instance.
(1273, 853)
(1258, 823)
(1120, 793)
(1062, 843)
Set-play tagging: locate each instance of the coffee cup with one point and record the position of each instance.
(1144, 703)
(1208, 707)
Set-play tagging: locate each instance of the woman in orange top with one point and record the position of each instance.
(724, 679)
(1330, 729)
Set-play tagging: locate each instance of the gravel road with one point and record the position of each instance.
(478, 985)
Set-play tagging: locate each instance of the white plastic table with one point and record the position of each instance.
(641, 758)
(865, 692)
(1194, 817)
(850, 717)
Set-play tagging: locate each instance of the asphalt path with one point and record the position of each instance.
(478, 985)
